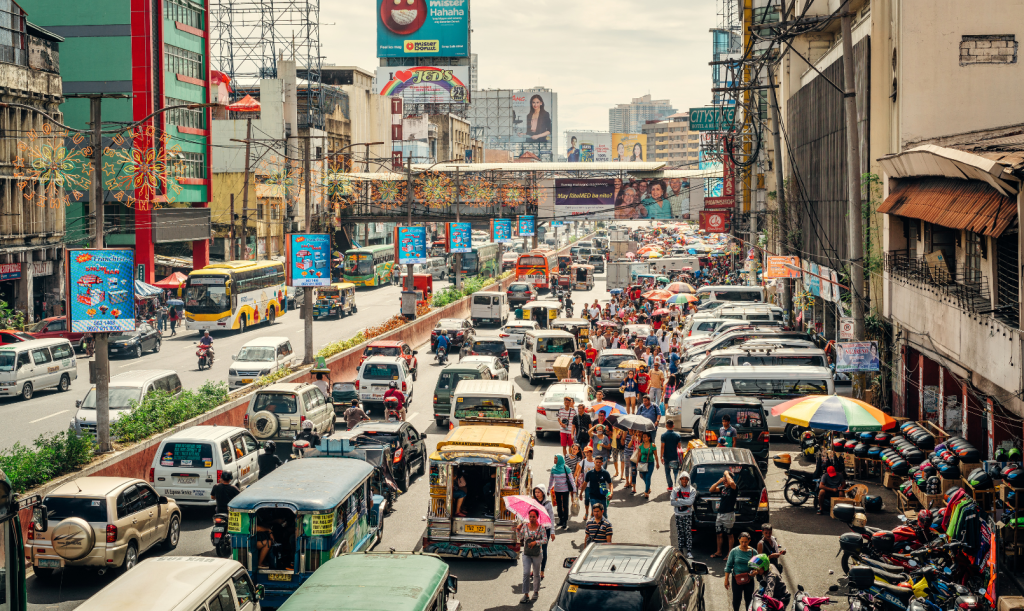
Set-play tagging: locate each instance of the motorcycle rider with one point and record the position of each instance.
(769, 578)
(308, 434)
(443, 343)
(567, 302)
(223, 492)
(207, 341)
(268, 460)
(393, 392)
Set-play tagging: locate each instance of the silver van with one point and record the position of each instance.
(259, 357)
(124, 389)
(540, 349)
(731, 293)
(26, 367)
(762, 355)
(772, 385)
(759, 312)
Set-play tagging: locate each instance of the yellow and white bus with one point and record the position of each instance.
(234, 295)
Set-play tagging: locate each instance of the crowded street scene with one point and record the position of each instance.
(324, 305)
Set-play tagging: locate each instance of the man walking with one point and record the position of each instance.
(726, 519)
(727, 433)
(599, 484)
(650, 411)
(657, 383)
(598, 529)
(354, 415)
(566, 415)
(671, 446)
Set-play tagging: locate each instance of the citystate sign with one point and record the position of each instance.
(715, 222)
(712, 119)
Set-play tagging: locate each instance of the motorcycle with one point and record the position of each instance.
(810, 603)
(205, 354)
(441, 355)
(392, 413)
(800, 485)
(219, 536)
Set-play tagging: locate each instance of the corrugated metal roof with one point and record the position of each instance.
(959, 204)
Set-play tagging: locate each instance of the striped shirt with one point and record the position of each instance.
(565, 418)
(598, 532)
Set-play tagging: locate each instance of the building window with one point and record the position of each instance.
(183, 62)
(193, 165)
(259, 211)
(988, 49)
(184, 11)
(972, 248)
(185, 117)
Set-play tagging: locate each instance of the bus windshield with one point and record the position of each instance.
(206, 299)
(358, 264)
(470, 261)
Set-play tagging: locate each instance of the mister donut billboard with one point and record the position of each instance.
(422, 28)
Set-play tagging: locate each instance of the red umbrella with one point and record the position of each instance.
(660, 312)
(246, 104)
(657, 295)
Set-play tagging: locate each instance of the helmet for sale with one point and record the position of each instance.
(924, 519)
(392, 384)
(1014, 454)
(860, 520)
(759, 562)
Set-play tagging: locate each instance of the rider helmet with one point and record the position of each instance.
(924, 519)
(270, 447)
(392, 384)
(759, 562)
(307, 425)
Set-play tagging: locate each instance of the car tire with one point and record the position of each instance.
(272, 316)
(173, 533)
(415, 373)
(793, 433)
(131, 558)
(156, 347)
(241, 324)
(439, 422)
(423, 465)
(406, 479)
(138, 350)
(65, 383)
(42, 573)
(26, 391)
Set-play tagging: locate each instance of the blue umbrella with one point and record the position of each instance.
(615, 291)
(607, 408)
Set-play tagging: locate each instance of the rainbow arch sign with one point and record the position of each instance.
(424, 84)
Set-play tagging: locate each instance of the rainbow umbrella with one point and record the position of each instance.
(833, 413)
(608, 407)
(683, 298)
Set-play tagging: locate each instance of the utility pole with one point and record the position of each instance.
(245, 189)
(245, 234)
(231, 233)
(409, 286)
(307, 292)
(855, 213)
(102, 366)
(458, 208)
(780, 189)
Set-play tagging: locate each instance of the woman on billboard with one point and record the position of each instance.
(620, 152)
(638, 152)
(657, 203)
(538, 122)
(627, 201)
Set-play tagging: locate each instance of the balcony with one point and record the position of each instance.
(968, 292)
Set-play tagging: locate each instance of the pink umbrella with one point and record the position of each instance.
(521, 505)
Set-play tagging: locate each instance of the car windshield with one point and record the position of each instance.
(519, 288)
(449, 380)
(556, 396)
(754, 296)
(449, 323)
(35, 327)
(704, 476)
(125, 334)
(481, 407)
(741, 416)
(277, 403)
(556, 345)
(491, 347)
(613, 360)
(7, 359)
(380, 371)
(61, 507)
(180, 454)
(604, 597)
(256, 353)
(381, 351)
(120, 397)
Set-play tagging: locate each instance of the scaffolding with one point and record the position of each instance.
(249, 36)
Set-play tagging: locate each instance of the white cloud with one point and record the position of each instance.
(594, 53)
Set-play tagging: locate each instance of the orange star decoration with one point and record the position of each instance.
(284, 179)
(144, 174)
(48, 172)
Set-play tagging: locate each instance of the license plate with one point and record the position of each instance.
(198, 493)
(187, 481)
(479, 530)
(519, 342)
(49, 563)
(247, 381)
(745, 436)
(279, 577)
(378, 396)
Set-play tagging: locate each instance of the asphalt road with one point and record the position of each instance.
(811, 540)
(51, 410)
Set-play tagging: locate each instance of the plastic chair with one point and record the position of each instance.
(853, 495)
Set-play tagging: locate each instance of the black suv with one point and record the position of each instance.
(746, 414)
(631, 577)
(706, 466)
(598, 262)
(408, 446)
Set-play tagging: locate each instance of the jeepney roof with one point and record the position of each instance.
(309, 485)
(343, 285)
(507, 444)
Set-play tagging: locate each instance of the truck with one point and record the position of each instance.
(619, 248)
(620, 273)
(616, 235)
(675, 264)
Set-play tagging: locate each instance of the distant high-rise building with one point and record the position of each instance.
(473, 67)
(630, 118)
(672, 142)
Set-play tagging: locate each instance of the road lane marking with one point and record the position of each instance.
(63, 411)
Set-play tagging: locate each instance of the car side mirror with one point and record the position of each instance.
(568, 562)
(452, 584)
(260, 592)
(519, 396)
(163, 500)
(234, 357)
(78, 404)
(39, 518)
(698, 568)
(698, 411)
(415, 352)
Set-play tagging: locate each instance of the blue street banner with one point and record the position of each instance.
(501, 231)
(857, 356)
(102, 283)
(460, 237)
(309, 259)
(527, 226)
(410, 245)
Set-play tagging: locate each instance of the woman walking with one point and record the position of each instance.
(629, 444)
(737, 572)
(540, 496)
(617, 439)
(683, 497)
(647, 462)
(562, 484)
(630, 389)
(174, 320)
(533, 536)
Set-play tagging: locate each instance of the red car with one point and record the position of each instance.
(56, 326)
(394, 348)
(10, 336)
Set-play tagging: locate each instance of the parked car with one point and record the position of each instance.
(458, 331)
(605, 373)
(498, 369)
(408, 447)
(706, 466)
(631, 576)
(276, 413)
(101, 523)
(11, 336)
(746, 414)
(56, 326)
(394, 348)
(642, 331)
(520, 292)
(134, 343)
(546, 420)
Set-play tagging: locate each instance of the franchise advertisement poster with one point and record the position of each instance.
(532, 113)
(856, 356)
(422, 28)
(410, 245)
(588, 147)
(501, 231)
(629, 147)
(460, 237)
(102, 288)
(309, 257)
(527, 226)
(424, 84)
(715, 222)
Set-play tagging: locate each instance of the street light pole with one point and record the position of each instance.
(307, 292)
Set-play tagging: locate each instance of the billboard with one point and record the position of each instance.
(527, 223)
(857, 356)
(424, 84)
(410, 245)
(501, 231)
(629, 147)
(715, 222)
(309, 257)
(612, 198)
(588, 146)
(776, 267)
(712, 118)
(532, 113)
(103, 290)
(409, 28)
(460, 237)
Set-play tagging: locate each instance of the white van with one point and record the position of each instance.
(757, 312)
(731, 293)
(376, 374)
(489, 307)
(760, 355)
(676, 264)
(123, 390)
(26, 367)
(186, 466)
(435, 266)
(539, 351)
(259, 357)
(179, 583)
(772, 385)
(484, 399)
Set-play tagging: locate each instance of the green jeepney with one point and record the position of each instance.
(337, 300)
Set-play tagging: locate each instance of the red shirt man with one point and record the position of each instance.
(643, 379)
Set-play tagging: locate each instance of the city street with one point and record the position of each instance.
(51, 410)
(811, 540)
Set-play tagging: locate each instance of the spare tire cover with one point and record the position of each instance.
(73, 539)
(264, 425)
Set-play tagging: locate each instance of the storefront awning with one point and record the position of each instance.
(143, 290)
(955, 203)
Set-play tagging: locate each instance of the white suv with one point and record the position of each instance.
(375, 375)
(514, 332)
(276, 413)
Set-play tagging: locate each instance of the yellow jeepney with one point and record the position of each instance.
(337, 300)
(493, 455)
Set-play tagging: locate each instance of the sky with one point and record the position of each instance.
(593, 53)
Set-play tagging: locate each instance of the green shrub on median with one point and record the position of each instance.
(341, 345)
(53, 456)
(449, 294)
(160, 411)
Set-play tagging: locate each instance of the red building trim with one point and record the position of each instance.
(189, 29)
(205, 182)
(201, 248)
(193, 131)
(143, 86)
(190, 80)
